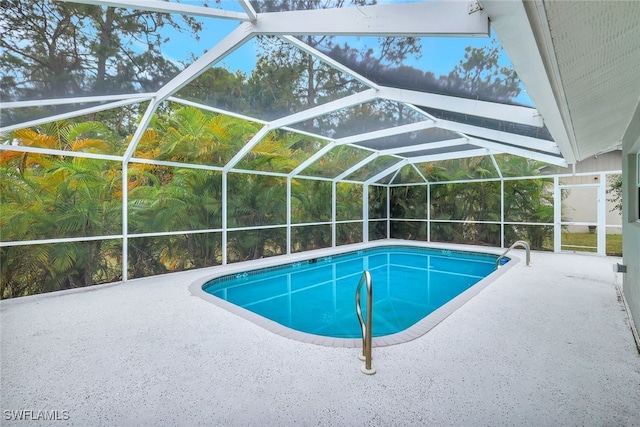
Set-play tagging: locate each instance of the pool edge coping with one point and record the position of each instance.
(416, 330)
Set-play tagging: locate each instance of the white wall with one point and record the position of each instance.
(581, 203)
(631, 213)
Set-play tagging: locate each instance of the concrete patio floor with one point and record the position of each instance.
(544, 345)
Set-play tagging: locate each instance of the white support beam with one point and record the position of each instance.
(357, 166)
(393, 178)
(69, 114)
(215, 110)
(227, 45)
(492, 110)
(76, 100)
(174, 164)
(137, 136)
(452, 155)
(513, 27)
(321, 152)
(426, 146)
(383, 133)
(168, 7)
(333, 63)
(497, 147)
(419, 172)
(434, 18)
(244, 117)
(288, 215)
(248, 9)
(247, 147)
(496, 135)
(52, 152)
(393, 168)
(495, 165)
(365, 213)
(557, 215)
(329, 107)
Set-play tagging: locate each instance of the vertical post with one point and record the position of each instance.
(288, 215)
(388, 211)
(557, 215)
(502, 212)
(428, 212)
(125, 220)
(365, 213)
(130, 151)
(224, 216)
(333, 214)
(602, 216)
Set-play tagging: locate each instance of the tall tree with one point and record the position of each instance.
(56, 49)
(303, 81)
(481, 76)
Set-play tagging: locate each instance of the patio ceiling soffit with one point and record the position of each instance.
(521, 34)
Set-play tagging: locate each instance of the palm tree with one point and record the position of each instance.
(58, 196)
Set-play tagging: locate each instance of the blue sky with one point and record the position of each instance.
(439, 54)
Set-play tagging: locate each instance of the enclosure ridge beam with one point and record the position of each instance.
(434, 18)
(329, 107)
(496, 135)
(452, 155)
(216, 110)
(397, 130)
(426, 146)
(521, 152)
(493, 110)
(168, 7)
(138, 160)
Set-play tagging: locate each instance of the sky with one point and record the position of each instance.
(439, 54)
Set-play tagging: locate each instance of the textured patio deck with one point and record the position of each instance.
(545, 345)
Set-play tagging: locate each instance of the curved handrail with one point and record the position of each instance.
(367, 333)
(522, 243)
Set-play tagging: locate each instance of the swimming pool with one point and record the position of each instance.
(316, 296)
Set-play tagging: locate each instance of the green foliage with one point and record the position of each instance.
(615, 190)
(44, 197)
(58, 49)
(468, 203)
(54, 49)
(480, 75)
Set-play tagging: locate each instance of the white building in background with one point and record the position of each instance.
(581, 199)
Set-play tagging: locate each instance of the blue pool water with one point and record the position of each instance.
(318, 296)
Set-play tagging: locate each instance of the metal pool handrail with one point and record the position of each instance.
(367, 336)
(522, 243)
